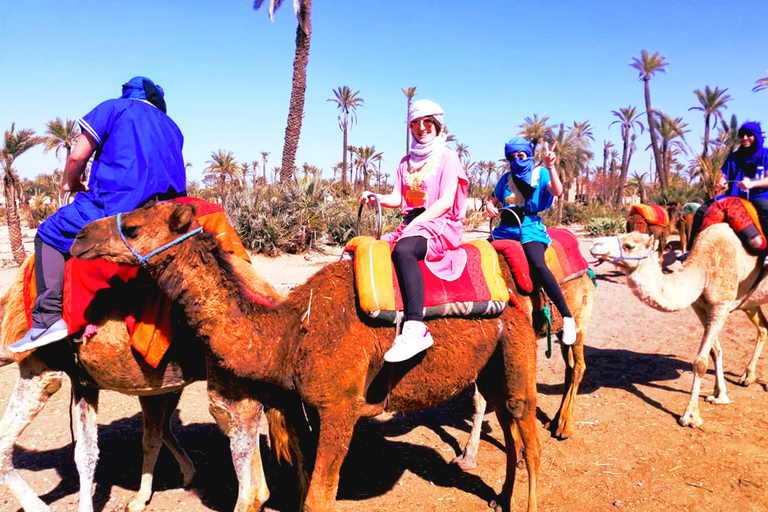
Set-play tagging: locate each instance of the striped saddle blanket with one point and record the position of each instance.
(652, 213)
(480, 290)
(563, 257)
(88, 283)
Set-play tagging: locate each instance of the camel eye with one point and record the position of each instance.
(626, 247)
(130, 231)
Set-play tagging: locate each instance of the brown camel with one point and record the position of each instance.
(719, 276)
(683, 222)
(636, 223)
(579, 294)
(106, 361)
(317, 344)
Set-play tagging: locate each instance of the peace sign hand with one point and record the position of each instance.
(550, 157)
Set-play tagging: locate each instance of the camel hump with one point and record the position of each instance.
(652, 213)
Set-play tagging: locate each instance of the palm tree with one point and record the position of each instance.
(760, 84)
(347, 101)
(462, 150)
(574, 155)
(14, 145)
(670, 130)
(222, 169)
(534, 129)
(638, 185)
(264, 155)
(254, 166)
(303, 9)
(364, 163)
(60, 134)
(712, 102)
(409, 92)
(628, 119)
(709, 168)
(607, 145)
(648, 65)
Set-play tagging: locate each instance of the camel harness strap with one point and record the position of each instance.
(144, 260)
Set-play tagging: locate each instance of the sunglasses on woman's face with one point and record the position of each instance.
(428, 123)
(519, 155)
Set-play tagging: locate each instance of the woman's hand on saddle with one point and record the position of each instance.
(367, 197)
(490, 209)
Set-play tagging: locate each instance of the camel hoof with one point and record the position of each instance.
(747, 378)
(689, 420)
(720, 400)
(464, 462)
(136, 505)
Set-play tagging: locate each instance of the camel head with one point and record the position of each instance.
(624, 251)
(135, 237)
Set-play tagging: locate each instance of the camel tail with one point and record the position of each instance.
(278, 432)
(13, 319)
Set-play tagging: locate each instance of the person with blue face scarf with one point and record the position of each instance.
(138, 158)
(520, 195)
(743, 174)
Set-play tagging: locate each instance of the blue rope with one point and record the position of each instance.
(144, 260)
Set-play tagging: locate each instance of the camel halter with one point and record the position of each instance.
(144, 260)
(621, 256)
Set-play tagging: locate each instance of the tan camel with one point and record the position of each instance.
(719, 276)
(579, 294)
(319, 346)
(106, 361)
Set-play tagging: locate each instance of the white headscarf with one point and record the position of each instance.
(421, 153)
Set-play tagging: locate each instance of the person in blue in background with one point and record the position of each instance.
(519, 196)
(743, 174)
(138, 159)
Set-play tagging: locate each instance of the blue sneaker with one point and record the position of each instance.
(39, 336)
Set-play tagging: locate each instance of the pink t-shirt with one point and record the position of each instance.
(444, 257)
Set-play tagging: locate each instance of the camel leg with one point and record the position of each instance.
(719, 396)
(157, 411)
(468, 458)
(575, 367)
(712, 322)
(755, 316)
(86, 444)
(238, 416)
(335, 434)
(35, 386)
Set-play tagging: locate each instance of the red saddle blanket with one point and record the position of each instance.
(149, 323)
(652, 213)
(480, 290)
(563, 257)
(742, 217)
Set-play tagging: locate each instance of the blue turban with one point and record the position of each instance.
(517, 144)
(142, 88)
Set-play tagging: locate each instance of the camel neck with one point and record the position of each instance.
(222, 314)
(665, 292)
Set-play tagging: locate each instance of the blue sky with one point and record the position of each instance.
(226, 69)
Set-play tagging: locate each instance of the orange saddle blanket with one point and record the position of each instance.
(563, 257)
(480, 290)
(742, 217)
(652, 213)
(87, 283)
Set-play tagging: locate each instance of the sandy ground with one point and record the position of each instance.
(628, 452)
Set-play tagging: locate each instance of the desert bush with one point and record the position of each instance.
(605, 226)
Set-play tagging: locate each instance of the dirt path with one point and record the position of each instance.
(628, 453)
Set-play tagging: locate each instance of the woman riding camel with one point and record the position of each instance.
(521, 194)
(431, 189)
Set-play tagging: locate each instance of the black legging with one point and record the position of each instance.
(761, 207)
(540, 273)
(406, 256)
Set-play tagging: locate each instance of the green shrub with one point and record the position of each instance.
(605, 226)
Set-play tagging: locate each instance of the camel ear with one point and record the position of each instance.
(182, 217)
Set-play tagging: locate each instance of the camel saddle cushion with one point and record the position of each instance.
(742, 217)
(85, 284)
(480, 290)
(563, 257)
(652, 213)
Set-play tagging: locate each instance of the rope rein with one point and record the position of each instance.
(621, 256)
(144, 260)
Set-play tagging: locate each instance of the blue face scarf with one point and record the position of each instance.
(141, 88)
(521, 169)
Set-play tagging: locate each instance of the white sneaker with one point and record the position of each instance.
(569, 330)
(415, 338)
(39, 336)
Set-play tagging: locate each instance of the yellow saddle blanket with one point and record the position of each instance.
(480, 290)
